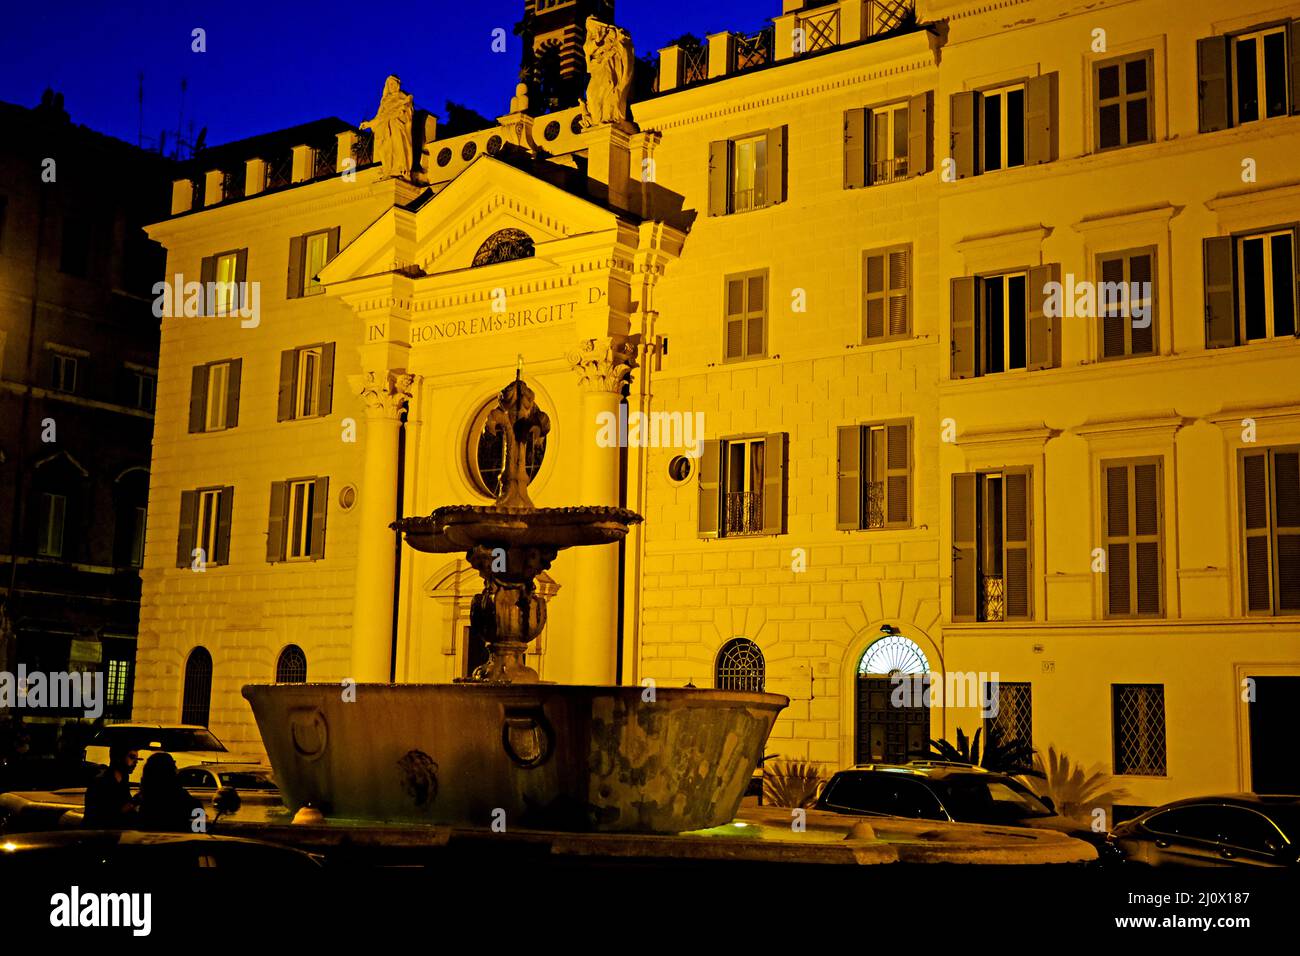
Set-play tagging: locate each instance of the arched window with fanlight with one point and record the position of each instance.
(197, 696)
(740, 666)
(291, 668)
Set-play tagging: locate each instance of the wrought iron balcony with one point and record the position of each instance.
(995, 600)
(888, 170)
(753, 50)
(875, 504)
(695, 64)
(744, 512)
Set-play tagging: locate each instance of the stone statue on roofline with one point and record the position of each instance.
(394, 147)
(610, 58)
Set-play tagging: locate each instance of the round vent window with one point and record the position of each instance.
(468, 152)
(444, 156)
(680, 469)
(347, 497)
(494, 145)
(552, 130)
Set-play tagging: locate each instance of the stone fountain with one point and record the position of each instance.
(504, 747)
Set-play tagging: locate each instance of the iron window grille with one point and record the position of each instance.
(740, 666)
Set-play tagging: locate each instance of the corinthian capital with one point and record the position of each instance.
(604, 364)
(385, 393)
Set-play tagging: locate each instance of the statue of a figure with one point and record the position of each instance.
(609, 65)
(392, 126)
(523, 427)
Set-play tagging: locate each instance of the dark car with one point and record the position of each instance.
(1243, 829)
(80, 851)
(961, 793)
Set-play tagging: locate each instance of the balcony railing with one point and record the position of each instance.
(821, 31)
(279, 172)
(363, 149)
(695, 64)
(875, 504)
(232, 185)
(888, 170)
(326, 160)
(995, 601)
(744, 514)
(753, 50)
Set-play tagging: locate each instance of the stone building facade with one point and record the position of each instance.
(832, 245)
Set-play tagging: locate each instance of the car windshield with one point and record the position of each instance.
(171, 739)
(248, 780)
(976, 798)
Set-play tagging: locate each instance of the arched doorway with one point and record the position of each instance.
(886, 733)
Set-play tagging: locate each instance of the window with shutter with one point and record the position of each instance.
(1002, 128)
(992, 546)
(743, 486)
(1266, 284)
(1220, 292)
(855, 148)
(888, 159)
(745, 322)
(1260, 89)
(1122, 100)
(1270, 521)
(874, 477)
(1133, 538)
(1003, 332)
(1212, 84)
(710, 492)
(1126, 303)
(887, 293)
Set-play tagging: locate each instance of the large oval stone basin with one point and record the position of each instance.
(537, 756)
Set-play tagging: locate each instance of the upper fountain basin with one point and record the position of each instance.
(461, 527)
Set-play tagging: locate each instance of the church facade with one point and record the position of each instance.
(953, 342)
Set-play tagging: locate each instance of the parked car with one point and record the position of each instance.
(189, 744)
(961, 793)
(77, 851)
(204, 778)
(1243, 829)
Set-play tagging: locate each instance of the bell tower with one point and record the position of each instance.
(553, 32)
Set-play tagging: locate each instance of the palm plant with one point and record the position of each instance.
(791, 783)
(1001, 754)
(1075, 793)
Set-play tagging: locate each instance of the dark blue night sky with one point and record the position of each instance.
(300, 62)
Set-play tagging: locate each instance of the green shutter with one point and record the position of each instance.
(1017, 528)
(225, 511)
(297, 257)
(855, 148)
(965, 554)
(1286, 530)
(1044, 332)
(965, 323)
(897, 475)
(875, 283)
(207, 276)
(848, 478)
(1117, 538)
(275, 521)
(332, 244)
(241, 277)
(185, 537)
(326, 379)
(719, 180)
(198, 397)
(320, 500)
(1293, 45)
(232, 392)
(710, 502)
(774, 451)
(963, 138)
(776, 161)
(1256, 532)
(288, 367)
(1040, 119)
(920, 135)
(1220, 293)
(1212, 83)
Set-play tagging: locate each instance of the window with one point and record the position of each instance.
(1270, 528)
(1126, 302)
(991, 552)
(223, 275)
(747, 172)
(197, 695)
(884, 144)
(1132, 534)
(205, 525)
(1246, 77)
(887, 294)
(117, 685)
(146, 391)
(296, 524)
(308, 254)
(746, 316)
(1139, 725)
(1122, 104)
(1250, 287)
(485, 453)
(742, 486)
(1012, 125)
(291, 668)
(136, 557)
(740, 666)
(1015, 711)
(214, 395)
(874, 476)
(306, 382)
(63, 375)
(74, 255)
(1005, 322)
(53, 517)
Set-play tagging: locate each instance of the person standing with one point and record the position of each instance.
(109, 804)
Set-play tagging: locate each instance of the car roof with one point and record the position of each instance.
(1254, 801)
(241, 767)
(154, 727)
(924, 769)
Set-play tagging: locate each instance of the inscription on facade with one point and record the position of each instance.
(493, 322)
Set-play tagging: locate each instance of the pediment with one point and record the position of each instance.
(443, 232)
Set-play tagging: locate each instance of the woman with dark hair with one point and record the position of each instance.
(164, 803)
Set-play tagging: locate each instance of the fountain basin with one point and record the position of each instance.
(535, 756)
(464, 527)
